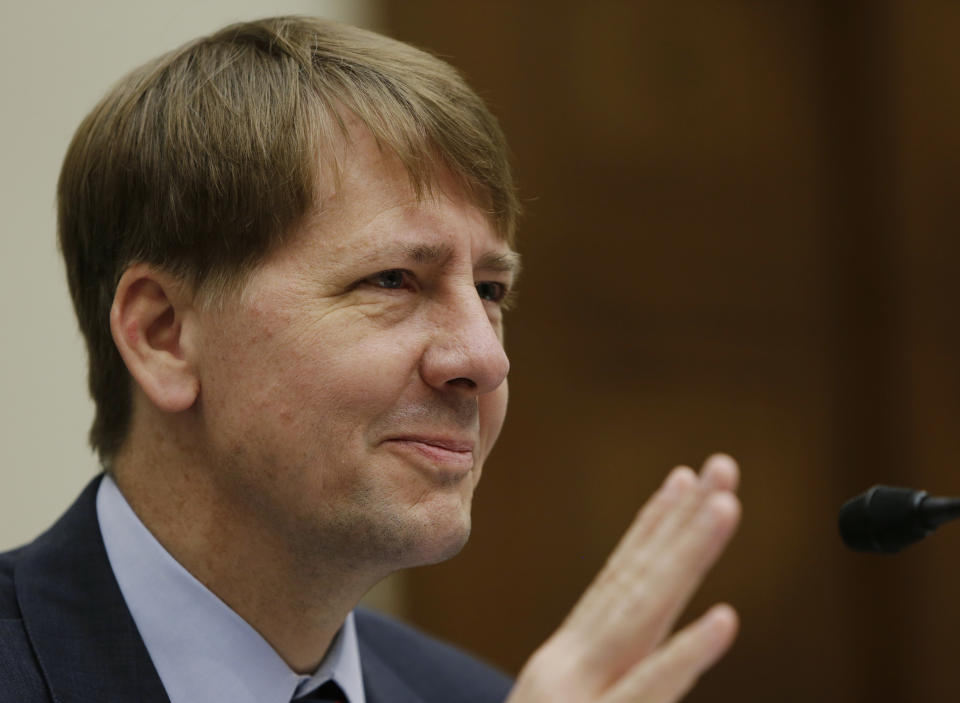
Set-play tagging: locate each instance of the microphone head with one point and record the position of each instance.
(884, 519)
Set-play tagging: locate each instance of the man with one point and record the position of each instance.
(290, 247)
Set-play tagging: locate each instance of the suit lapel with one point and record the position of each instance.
(381, 684)
(75, 616)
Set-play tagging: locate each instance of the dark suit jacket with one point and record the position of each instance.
(66, 635)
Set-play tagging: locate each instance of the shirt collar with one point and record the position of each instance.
(201, 649)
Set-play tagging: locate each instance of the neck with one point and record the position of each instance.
(292, 593)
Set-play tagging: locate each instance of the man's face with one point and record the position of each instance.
(352, 393)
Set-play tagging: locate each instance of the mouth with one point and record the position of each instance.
(448, 453)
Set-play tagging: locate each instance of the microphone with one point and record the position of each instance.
(886, 519)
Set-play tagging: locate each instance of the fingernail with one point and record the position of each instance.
(720, 471)
(722, 618)
(720, 508)
(680, 477)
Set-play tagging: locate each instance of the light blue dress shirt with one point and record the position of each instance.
(203, 650)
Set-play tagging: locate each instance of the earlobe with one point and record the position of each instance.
(151, 323)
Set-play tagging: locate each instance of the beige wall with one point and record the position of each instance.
(56, 59)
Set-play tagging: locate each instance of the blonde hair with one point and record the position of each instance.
(200, 161)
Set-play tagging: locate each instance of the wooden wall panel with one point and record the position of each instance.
(927, 104)
(738, 238)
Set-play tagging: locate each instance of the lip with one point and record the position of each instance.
(451, 444)
(444, 452)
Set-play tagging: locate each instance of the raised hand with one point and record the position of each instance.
(614, 645)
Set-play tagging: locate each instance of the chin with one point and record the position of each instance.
(436, 540)
(448, 549)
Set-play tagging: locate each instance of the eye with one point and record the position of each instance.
(492, 290)
(392, 279)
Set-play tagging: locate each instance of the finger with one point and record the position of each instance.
(681, 559)
(635, 600)
(720, 473)
(690, 537)
(679, 494)
(626, 564)
(670, 672)
(615, 581)
(667, 524)
(680, 481)
(682, 554)
(673, 505)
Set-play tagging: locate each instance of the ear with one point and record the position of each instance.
(153, 324)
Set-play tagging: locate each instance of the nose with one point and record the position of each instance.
(465, 350)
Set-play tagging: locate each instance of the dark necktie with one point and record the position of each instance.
(328, 693)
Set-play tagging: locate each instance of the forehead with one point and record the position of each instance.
(370, 206)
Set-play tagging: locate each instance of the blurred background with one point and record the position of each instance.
(740, 236)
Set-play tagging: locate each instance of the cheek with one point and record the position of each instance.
(256, 376)
(493, 411)
(333, 381)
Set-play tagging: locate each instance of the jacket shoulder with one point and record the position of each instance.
(8, 597)
(20, 678)
(437, 670)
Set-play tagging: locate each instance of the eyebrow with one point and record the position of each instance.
(427, 253)
(498, 262)
(501, 262)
